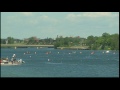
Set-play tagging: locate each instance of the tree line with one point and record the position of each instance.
(103, 42)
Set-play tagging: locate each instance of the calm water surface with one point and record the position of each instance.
(61, 63)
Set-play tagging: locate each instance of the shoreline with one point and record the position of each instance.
(74, 48)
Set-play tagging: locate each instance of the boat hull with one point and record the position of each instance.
(9, 63)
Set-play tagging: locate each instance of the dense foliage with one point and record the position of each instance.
(104, 42)
(69, 41)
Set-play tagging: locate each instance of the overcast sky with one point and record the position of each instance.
(22, 25)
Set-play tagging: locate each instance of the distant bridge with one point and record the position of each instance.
(25, 46)
(40, 46)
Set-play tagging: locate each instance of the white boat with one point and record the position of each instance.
(13, 61)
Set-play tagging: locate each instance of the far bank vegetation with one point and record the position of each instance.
(103, 42)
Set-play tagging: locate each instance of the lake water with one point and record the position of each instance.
(61, 63)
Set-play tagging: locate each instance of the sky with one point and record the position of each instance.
(43, 25)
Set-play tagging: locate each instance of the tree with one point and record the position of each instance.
(10, 40)
(114, 42)
(90, 41)
(66, 41)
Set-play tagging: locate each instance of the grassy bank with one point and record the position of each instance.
(75, 48)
